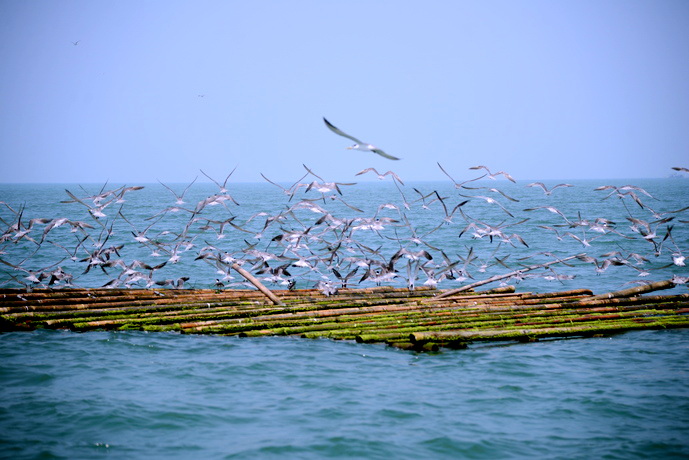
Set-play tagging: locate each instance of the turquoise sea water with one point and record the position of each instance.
(145, 395)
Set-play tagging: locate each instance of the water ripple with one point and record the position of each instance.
(144, 395)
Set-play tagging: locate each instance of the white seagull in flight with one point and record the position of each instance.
(363, 146)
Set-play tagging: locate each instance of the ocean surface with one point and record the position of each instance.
(147, 395)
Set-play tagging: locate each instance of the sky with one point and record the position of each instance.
(140, 91)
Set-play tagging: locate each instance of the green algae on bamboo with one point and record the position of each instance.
(389, 316)
(519, 333)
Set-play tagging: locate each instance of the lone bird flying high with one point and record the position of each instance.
(363, 146)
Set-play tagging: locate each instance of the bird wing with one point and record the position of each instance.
(445, 172)
(312, 173)
(383, 154)
(278, 185)
(77, 200)
(505, 195)
(366, 170)
(507, 176)
(172, 191)
(394, 176)
(214, 181)
(334, 129)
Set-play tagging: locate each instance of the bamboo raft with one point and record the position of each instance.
(423, 320)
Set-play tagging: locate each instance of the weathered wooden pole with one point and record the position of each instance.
(658, 285)
(501, 277)
(253, 280)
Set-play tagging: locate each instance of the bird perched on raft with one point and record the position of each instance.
(363, 146)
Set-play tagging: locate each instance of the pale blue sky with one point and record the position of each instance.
(541, 89)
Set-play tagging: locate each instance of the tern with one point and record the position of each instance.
(490, 200)
(223, 187)
(363, 146)
(546, 190)
(287, 191)
(459, 184)
(381, 176)
(179, 198)
(492, 175)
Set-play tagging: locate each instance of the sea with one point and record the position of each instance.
(132, 394)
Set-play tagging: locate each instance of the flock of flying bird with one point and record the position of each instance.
(319, 238)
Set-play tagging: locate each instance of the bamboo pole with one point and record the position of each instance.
(493, 305)
(648, 300)
(387, 315)
(571, 293)
(253, 280)
(348, 325)
(658, 285)
(499, 290)
(517, 334)
(507, 275)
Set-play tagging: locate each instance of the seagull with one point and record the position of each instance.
(180, 198)
(490, 200)
(448, 215)
(120, 196)
(557, 234)
(381, 176)
(459, 184)
(546, 189)
(677, 257)
(494, 190)
(95, 211)
(324, 187)
(344, 279)
(139, 236)
(554, 210)
(176, 284)
(492, 175)
(327, 288)
(586, 242)
(411, 255)
(223, 187)
(287, 191)
(363, 146)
